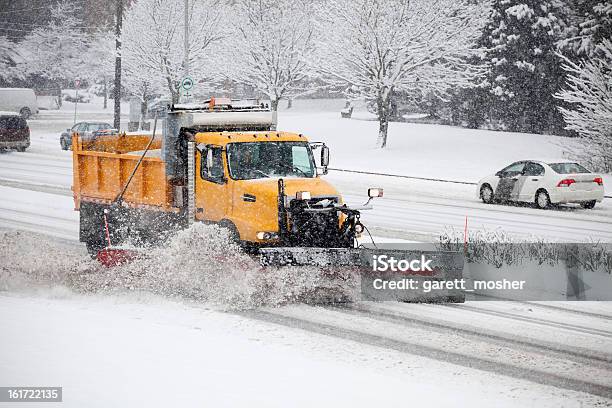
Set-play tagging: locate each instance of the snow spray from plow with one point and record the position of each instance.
(200, 263)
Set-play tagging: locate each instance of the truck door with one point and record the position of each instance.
(211, 184)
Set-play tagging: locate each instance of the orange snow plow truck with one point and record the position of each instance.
(221, 163)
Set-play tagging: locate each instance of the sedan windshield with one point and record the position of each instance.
(568, 168)
(98, 126)
(269, 159)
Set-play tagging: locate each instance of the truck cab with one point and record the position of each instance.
(246, 181)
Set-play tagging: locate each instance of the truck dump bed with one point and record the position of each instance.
(102, 167)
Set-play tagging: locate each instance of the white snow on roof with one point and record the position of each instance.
(554, 160)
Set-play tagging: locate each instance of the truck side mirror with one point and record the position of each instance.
(324, 156)
(375, 192)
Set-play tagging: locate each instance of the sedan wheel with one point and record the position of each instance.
(542, 199)
(588, 204)
(486, 193)
(25, 113)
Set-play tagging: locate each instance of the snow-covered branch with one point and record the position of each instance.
(153, 41)
(589, 94)
(55, 51)
(381, 47)
(270, 47)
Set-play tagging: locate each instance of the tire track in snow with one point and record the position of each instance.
(548, 306)
(536, 320)
(578, 354)
(43, 188)
(377, 340)
(28, 169)
(54, 231)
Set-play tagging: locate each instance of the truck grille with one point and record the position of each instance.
(318, 228)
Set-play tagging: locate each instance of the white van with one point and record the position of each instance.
(21, 100)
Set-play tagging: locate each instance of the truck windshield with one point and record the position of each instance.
(269, 159)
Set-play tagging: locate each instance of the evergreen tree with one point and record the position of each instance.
(591, 24)
(525, 72)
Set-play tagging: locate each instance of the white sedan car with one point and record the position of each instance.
(543, 183)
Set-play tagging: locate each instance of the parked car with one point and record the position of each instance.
(14, 132)
(22, 100)
(85, 129)
(543, 183)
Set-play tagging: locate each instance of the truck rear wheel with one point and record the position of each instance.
(93, 248)
(91, 227)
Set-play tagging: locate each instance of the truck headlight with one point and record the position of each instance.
(265, 235)
(302, 195)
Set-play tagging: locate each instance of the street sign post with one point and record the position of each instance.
(186, 85)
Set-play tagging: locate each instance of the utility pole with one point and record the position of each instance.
(186, 38)
(117, 90)
(186, 44)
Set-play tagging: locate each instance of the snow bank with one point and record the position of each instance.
(199, 263)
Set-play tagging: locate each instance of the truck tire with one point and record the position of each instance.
(93, 248)
(91, 227)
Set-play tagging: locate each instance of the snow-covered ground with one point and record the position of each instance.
(133, 348)
(142, 350)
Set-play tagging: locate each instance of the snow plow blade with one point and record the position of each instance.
(369, 263)
(111, 257)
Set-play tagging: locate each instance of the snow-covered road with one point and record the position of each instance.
(411, 209)
(104, 349)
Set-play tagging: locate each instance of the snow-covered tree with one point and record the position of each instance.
(589, 96)
(270, 47)
(525, 72)
(153, 38)
(99, 60)
(7, 62)
(143, 83)
(55, 51)
(592, 23)
(383, 46)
